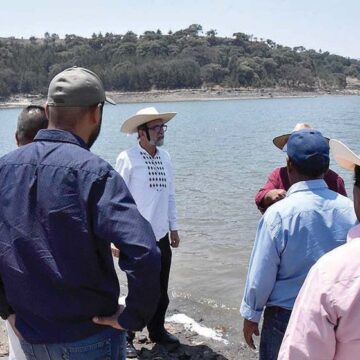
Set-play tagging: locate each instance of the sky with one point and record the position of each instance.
(329, 25)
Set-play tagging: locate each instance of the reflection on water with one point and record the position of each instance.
(222, 152)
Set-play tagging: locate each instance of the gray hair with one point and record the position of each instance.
(30, 121)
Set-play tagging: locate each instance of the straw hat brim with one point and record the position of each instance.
(280, 141)
(344, 157)
(130, 125)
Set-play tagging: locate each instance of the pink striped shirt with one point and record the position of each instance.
(325, 322)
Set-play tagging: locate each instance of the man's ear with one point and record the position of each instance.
(46, 110)
(17, 138)
(289, 165)
(94, 114)
(141, 134)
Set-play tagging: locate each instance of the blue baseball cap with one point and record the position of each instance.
(308, 149)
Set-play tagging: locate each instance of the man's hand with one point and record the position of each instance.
(12, 319)
(250, 328)
(174, 238)
(110, 320)
(273, 196)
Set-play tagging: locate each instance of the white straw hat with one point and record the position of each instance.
(280, 141)
(343, 155)
(142, 117)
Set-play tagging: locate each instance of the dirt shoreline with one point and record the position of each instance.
(17, 101)
(193, 346)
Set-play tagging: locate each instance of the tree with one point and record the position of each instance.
(130, 37)
(184, 59)
(213, 74)
(211, 37)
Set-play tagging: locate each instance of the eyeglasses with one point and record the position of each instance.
(158, 128)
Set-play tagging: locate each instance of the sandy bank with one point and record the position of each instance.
(229, 345)
(187, 95)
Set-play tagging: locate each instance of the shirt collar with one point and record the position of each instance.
(142, 149)
(60, 136)
(308, 185)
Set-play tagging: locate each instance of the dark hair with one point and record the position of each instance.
(313, 171)
(30, 121)
(144, 128)
(357, 176)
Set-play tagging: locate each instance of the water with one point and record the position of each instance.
(222, 152)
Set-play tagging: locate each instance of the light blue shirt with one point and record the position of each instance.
(291, 236)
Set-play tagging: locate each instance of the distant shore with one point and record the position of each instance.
(188, 95)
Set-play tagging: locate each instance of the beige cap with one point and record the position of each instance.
(76, 87)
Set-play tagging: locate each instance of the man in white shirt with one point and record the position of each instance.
(147, 172)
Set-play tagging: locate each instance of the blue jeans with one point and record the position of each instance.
(273, 330)
(107, 345)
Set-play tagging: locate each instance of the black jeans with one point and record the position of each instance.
(156, 324)
(273, 330)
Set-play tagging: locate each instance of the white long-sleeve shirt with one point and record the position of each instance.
(150, 181)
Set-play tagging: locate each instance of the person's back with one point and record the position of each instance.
(61, 206)
(292, 235)
(328, 309)
(310, 208)
(325, 321)
(52, 250)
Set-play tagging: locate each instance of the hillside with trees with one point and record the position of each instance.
(188, 58)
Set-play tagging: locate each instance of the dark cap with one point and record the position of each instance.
(76, 87)
(308, 150)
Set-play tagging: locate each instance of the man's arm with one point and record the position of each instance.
(270, 192)
(311, 331)
(117, 220)
(261, 277)
(5, 309)
(335, 182)
(341, 186)
(123, 167)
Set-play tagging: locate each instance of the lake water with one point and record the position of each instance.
(222, 152)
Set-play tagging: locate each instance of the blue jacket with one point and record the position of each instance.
(60, 208)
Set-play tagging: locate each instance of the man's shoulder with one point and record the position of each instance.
(61, 155)
(340, 263)
(12, 155)
(164, 154)
(276, 172)
(332, 174)
(74, 156)
(295, 204)
(341, 200)
(274, 214)
(21, 155)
